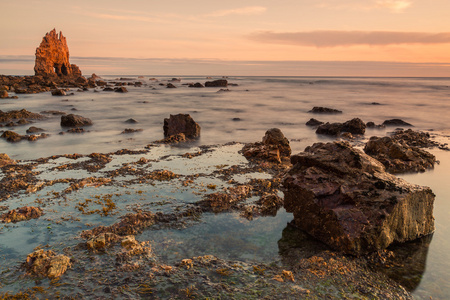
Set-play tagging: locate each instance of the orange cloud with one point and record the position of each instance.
(249, 10)
(335, 38)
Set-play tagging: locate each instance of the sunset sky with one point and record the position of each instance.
(211, 34)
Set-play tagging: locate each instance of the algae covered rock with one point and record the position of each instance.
(43, 263)
(344, 198)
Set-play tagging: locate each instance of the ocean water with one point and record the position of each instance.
(242, 114)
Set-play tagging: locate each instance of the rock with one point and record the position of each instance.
(121, 89)
(329, 129)
(324, 110)
(130, 130)
(354, 126)
(172, 139)
(396, 122)
(5, 160)
(108, 89)
(131, 121)
(34, 129)
(397, 156)
(4, 94)
(313, 122)
(171, 86)
(102, 241)
(181, 123)
(58, 92)
(52, 57)
(217, 83)
(43, 263)
(19, 114)
(21, 214)
(197, 85)
(274, 147)
(344, 198)
(11, 136)
(72, 120)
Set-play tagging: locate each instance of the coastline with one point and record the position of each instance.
(52, 180)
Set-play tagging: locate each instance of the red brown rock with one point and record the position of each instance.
(273, 148)
(21, 214)
(43, 263)
(181, 123)
(52, 57)
(344, 198)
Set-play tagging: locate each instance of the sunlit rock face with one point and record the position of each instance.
(344, 198)
(52, 57)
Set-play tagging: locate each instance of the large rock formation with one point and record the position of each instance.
(52, 57)
(274, 147)
(344, 198)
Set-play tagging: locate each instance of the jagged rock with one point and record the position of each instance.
(21, 214)
(344, 198)
(217, 83)
(43, 263)
(19, 114)
(181, 123)
(354, 126)
(396, 122)
(52, 57)
(5, 160)
(274, 147)
(324, 110)
(313, 122)
(72, 120)
(172, 139)
(131, 121)
(397, 156)
(102, 241)
(171, 86)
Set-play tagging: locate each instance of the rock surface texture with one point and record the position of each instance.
(181, 123)
(274, 147)
(345, 198)
(72, 120)
(52, 57)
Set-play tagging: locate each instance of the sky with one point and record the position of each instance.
(264, 37)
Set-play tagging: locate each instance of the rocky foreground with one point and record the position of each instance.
(338, 194)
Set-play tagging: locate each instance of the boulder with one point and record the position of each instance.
(121, 89)
(313, 122)
(171, 86)
(217, 83)
(58, 92)
(344, 198)
(324, 110)
(354, 126)
(72, 120)
(11, 136)
(397, 156)
(274, 147)
(43, 263)
(396, 122)
(197, 85)
(3, 94)
(181, 123)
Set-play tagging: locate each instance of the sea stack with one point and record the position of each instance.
(52, 57)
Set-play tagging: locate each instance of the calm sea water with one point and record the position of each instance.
(243, 114)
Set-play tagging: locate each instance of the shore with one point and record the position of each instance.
(127, 222)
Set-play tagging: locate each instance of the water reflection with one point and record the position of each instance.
(407, 262)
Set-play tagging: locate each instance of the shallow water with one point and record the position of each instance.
(259, 103)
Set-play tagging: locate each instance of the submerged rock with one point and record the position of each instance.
(397, 156)
(313, 122)
(72, 120)
(396, 122)
(5, 160)
(324, 110)
(11, 136)
(181, 123)
(344, 198)
(21, 214)
(43, 263)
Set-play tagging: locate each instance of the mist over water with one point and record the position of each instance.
(243, 114)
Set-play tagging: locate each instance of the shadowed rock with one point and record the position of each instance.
(396, 122)
(274, 147)
(75, 121)
(324, 110)
(314, 122)
(217, 83)
(181, 123)
(354, 126)
(344, 198)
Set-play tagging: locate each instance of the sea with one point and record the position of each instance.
(241, 113)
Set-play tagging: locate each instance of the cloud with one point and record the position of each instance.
(124, 17)
(396, 6)
(249, 10)
(334, 38)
